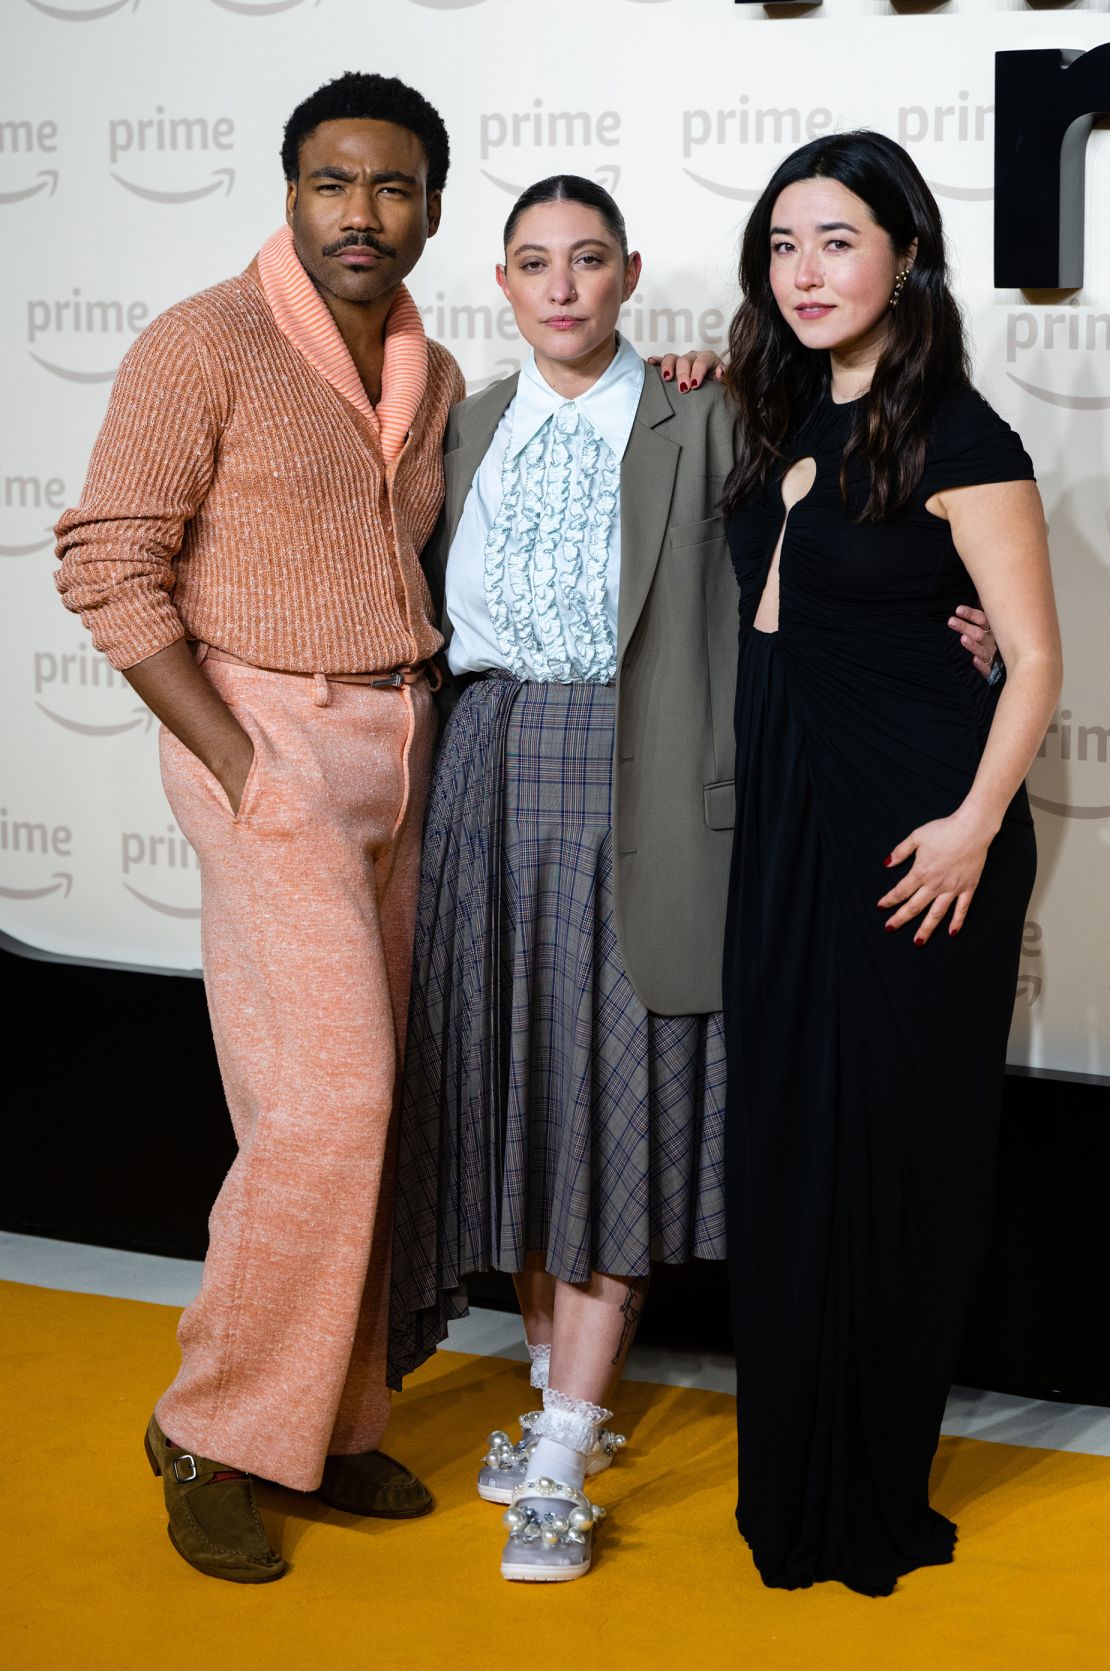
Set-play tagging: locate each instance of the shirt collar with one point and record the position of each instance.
(303, 318)
(610, 404)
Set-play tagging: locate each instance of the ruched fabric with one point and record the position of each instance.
(865, 1073)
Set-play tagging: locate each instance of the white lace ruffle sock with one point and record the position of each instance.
(567, 1432)
(541, 1363)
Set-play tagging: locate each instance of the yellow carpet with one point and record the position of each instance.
(90, 1582)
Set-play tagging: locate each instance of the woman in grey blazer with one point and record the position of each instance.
(563, 1097)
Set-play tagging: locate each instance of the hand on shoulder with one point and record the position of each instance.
(691, 369)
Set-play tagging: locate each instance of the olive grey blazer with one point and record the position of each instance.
(674, 748)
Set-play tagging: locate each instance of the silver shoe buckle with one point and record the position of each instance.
(178, 1462)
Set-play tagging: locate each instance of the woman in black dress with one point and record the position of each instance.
(867, 1009)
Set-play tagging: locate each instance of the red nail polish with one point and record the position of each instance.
(682, 387)
(666, 377)
(890, 927)
(953, 932)
(917, 940)
(696, 383)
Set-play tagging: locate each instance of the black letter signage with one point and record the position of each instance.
(1046, 104)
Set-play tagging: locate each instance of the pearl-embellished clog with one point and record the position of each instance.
(551, 1530)
(505, 1464)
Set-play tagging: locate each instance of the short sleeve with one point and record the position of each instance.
(970, 445)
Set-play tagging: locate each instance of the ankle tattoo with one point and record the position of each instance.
(630, 1311)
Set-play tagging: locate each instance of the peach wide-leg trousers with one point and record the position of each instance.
(308, 899)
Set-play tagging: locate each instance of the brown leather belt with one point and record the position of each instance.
(393, 680)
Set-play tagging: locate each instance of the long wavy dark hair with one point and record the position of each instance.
(773, 380)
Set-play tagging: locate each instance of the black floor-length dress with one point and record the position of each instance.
(865, 1073)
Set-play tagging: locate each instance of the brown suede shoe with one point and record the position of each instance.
(372, 1483)
(214, 1523)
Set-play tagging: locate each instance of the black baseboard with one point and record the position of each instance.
(120, 1138)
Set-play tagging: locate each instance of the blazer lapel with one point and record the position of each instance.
(648, 472)
(476, 426)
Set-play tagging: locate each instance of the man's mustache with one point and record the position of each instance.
(359, 240)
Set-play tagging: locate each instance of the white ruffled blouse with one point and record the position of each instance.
(533, 574)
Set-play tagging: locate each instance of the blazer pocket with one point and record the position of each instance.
(720, 805)
(698, 533)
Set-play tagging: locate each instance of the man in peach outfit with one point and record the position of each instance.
(247, 550)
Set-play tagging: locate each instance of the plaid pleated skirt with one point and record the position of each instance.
(543, 1107)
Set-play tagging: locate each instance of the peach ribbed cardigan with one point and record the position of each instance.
(236, 496)
(302, 315)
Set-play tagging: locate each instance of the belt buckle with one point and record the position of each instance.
(392, 681)
(184, 1479)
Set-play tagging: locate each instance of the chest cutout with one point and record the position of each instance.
(795, 486)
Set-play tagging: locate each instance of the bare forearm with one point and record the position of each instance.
(173, 686)
(1021, 718)
(1000, 533)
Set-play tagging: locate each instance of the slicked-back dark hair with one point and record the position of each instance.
(369, 98)
(773, 380)
(570, 188)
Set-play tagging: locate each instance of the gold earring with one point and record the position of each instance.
(898, 283)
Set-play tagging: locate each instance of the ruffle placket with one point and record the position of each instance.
(546, 559)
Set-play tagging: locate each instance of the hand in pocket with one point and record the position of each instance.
(234, 772)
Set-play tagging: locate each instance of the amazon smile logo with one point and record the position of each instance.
(959, 123)
(28, 548)
(221, 177)
(47, 182)
(64, 683)
(61, 881)
(962, 194)
(261, 8)
(150, 857)
(27, 141)
(142, 718)
(76, 13)
(29, 498)
(546, 131)
(131, 138)
(31, 839)
(729, 127)
(607, 176)
(1073, 754)
(53, 327)
(1072, 342)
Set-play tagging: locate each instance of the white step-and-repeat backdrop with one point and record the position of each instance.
(139, 163)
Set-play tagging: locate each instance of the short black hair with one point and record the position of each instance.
(369, 98)
(570, 188)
